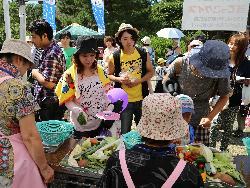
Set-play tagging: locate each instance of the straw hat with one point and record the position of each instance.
(162, 118)
(161, 61)
(124, 27)
(18, 47)
(146, 40)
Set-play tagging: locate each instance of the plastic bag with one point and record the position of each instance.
(245, 95)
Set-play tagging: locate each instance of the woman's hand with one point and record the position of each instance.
(205, 122)
(47, 174)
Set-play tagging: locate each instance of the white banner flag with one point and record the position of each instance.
(228, 15)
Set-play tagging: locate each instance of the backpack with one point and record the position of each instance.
(117, 64)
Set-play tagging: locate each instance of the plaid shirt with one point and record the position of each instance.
(51, 66)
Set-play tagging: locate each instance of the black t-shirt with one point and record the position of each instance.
(242, 70)
(149, 168)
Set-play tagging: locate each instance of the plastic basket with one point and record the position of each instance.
(246, 142)
(131, 138)
(54, 132)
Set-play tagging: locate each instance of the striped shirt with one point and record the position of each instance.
(160, 72)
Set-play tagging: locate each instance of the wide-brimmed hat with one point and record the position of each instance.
(86, 45)
(211, 59)
(124, 27)
(187, 104)
(18, 47)
(161, 61)
(146, 40)
(162, 118)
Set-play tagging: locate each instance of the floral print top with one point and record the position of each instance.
(16, 102)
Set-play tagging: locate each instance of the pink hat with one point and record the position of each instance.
(162, 118)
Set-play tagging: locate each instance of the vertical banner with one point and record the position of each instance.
(98, 10)
(49, 12)
(228, 15)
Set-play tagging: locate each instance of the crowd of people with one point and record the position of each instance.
(66, 78)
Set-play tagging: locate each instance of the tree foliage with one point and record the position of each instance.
(166, 13)
(33, 11)
(75, 11)
(134, 12)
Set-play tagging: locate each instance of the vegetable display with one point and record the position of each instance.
(93, 154)
(212, 165)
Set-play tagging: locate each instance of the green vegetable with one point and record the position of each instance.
(90, 150)
(81, 119)
(223, 163)
(86, 144)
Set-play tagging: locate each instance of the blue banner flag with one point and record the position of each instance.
(98, 10)
(49, 12)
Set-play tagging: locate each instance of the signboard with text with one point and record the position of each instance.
(228, 15)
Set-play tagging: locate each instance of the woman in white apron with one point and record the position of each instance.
(22, 159)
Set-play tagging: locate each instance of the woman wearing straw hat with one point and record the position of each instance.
(22, 159)
(154, 163)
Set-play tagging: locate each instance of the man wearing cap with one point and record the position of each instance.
(49, 71)
(22, 159)
(130, 68)
(203, 74)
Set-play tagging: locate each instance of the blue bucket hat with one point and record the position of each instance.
(211, 59)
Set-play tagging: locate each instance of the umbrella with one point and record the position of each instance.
(77, 30)
(170, 33)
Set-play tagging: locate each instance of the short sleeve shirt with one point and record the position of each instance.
(51, 66)
(16, 102)
(200, 89)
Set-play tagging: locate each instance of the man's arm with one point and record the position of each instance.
(174, 69)
(40, 78)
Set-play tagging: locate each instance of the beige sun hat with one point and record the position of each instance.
(124, 27)
(146, 40)
(18, 47)
(162, 118)
(161, 61)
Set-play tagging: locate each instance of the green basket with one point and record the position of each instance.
(131, 138)
(54, 132)
(246, 142)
